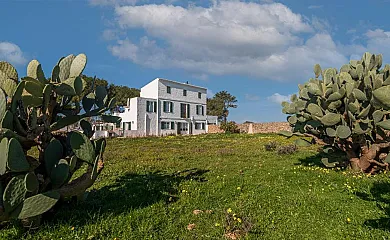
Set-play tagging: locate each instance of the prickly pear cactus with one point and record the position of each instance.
(33, 113)
(348, 111)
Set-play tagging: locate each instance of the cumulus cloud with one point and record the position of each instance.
(261, 40)
(12, 53)
(279, 98)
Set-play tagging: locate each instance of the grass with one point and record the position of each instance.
(151, 186)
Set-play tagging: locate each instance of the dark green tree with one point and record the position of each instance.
(122, 93)
(219, 105)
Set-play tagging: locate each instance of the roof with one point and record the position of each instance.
(185, 84)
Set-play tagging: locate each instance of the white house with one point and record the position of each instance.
(166, 107)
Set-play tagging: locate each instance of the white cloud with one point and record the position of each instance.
(12, 53)
(110, 34)
(261, 40)
(279, 98)
(251, 97)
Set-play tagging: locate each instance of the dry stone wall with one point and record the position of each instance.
(269, 127)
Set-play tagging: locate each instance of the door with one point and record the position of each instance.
(190, 128)
(147, 125)
(183, 128)
(178, 130)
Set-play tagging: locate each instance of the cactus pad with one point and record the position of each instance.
(16, 159)
(78, 65)
(3, 155)
(82, 147)
(14, 193)
(53, 154)
(31, 182)
(59, 173)
(38, 204)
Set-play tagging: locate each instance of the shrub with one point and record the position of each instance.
(287, 149)
(230, 127)
(271, 146)
(32, 113)
(348, 111)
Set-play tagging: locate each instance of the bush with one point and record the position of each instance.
(271, 146)
(229, 127)
(33, 112)
(288, 149)
(347, 111)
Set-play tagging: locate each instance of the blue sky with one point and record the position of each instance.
(256, 50)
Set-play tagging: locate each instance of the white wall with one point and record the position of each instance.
(150, 90)
(176, 96)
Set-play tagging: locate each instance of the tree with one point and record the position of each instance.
(122, 93)
(220, 104)
(215, 107)
(347, 112)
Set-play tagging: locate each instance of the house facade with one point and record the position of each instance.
(166, 107)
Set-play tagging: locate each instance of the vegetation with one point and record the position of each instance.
(161, 186)
(32, 111)
(121, 93)
(229, 127)
(348, 110)
(219, 105)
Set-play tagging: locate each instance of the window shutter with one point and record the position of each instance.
(203, 110)
(147, 106)
(165, 106)
(155, 106)
(188, 110)
(197, 110)
(172, 125)
(171, 106)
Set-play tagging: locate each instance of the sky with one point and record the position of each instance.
(259, 51)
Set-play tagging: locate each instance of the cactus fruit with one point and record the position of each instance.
(351, 109)
(33, 113)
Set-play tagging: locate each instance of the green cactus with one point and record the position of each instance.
(14, 193)
(33, 113)
(351, 111)
(31, 182)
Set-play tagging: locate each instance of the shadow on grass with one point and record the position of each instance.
(130, 191)
(379, 193)
(314, 160)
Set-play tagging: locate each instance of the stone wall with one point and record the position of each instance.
(269, 127)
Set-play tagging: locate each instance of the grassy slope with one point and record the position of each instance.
(142, 194)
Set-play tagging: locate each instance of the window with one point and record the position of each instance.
(199, 95)
(199, 110)
(168, 125)
(168, 89)
(184, 110)
(168, 107)
(199, 126)
(184, 92)
(151, 106)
